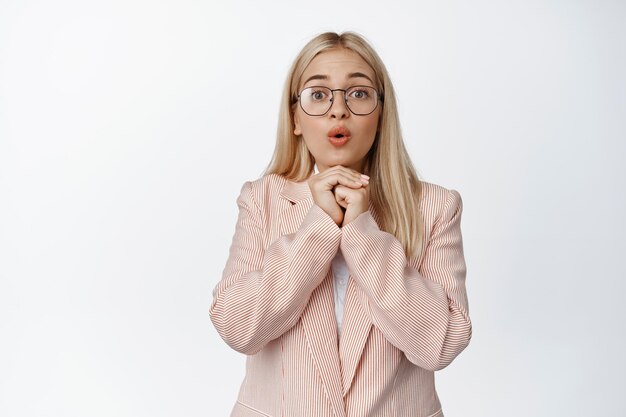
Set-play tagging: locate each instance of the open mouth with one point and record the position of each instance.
(338, 135)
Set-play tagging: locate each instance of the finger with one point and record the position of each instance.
(338, 169)
(340, 196)
(328, 183)
(350, 195)
(342, 191)
(347, 171)
(341, 178)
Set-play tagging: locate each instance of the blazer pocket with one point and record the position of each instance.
(245, 410)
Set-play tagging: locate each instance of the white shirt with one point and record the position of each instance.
(341, 273)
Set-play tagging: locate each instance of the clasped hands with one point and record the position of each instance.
(341, 192)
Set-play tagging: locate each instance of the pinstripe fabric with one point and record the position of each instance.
(403, 318)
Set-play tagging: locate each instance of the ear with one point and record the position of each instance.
(296, 121)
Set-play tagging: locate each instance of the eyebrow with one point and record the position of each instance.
(359, 75)
(351, 75)
(316, 77)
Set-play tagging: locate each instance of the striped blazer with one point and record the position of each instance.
(403, 318)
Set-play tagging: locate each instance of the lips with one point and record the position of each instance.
(339, 135)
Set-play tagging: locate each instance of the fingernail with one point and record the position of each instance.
(364, 177)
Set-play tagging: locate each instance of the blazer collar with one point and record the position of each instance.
(296, 191)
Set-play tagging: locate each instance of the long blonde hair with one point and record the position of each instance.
(394, 187)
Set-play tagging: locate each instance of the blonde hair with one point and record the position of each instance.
(394, 187)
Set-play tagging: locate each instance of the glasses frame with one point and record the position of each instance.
(379, 98)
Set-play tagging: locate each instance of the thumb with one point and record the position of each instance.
(341, 196)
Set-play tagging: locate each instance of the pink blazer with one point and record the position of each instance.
(404, 318)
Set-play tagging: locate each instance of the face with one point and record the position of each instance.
(337, 68)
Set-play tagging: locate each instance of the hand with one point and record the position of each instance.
(323, 187)
(354, 201)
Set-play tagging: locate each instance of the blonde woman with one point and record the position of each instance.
(345, 283)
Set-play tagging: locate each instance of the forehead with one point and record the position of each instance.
(337, 65)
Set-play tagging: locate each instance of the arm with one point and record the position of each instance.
(423, 314)
(264, 291)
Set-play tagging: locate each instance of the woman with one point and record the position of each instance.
(345, 284)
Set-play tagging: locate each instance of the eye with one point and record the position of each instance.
(360, 93)
(318, 94)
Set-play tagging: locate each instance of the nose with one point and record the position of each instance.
(338, 108)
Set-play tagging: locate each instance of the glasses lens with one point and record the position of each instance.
(316, 101)
(361, 100)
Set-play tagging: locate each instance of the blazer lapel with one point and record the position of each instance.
(318, 319)
(355, 331)
(356, 327)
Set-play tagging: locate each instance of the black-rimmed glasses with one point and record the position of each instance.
(361, 100)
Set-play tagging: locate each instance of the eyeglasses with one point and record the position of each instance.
(361, 100)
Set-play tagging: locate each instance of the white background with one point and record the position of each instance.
(128, 127)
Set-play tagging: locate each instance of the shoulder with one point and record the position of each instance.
(270, 183)
(263, 191)
(438, 202)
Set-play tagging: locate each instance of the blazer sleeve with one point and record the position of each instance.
(263, 291)
(424, 314)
